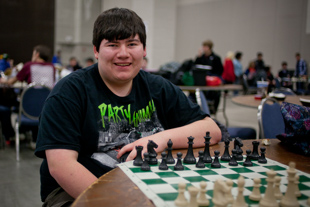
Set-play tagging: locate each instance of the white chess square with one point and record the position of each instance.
(147, 175)
(162, 188)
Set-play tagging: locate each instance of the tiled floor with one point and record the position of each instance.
(20, 181)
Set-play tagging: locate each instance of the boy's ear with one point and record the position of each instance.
(95, 52)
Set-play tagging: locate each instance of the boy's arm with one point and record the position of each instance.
(178, 136)
(73, 177)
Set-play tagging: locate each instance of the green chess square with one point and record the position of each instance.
(242, 170)
(275, 167)
(206, 172)
(168, 196)
(195, 179)
(154, 181)
(167, 174)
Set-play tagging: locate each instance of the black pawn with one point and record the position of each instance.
(145, 165)
(248, 161)
(237, 146)
(226, 155)
(262, 159)
(233, 161)
(138, 160)
(216, 163)
(206, 154)
(163, 165)
(255, 155)
(200, 163)
(152, 159)
(190, 158)
(179, 165)
(170, 159)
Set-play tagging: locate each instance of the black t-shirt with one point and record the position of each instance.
(212, 60)
(82, 114)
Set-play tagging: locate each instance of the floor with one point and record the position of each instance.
(20, 181)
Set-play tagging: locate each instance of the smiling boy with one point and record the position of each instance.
(96, 115)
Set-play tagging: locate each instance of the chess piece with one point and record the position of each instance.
(229, 195)
(240, 202)
(277, 192)
(233, 161)
(152, 153)
(308, 202)
(193, 191)
(179, 165)
(170, 159)
(145, 165)
(200, 163)
(256, 195)
(216, 163)
(138, 160)
(297, 191)
(289, 199)
(262, 159)
(207, 157)
(163, 165)
(248, 161)
(226, 155)
(220, 189)
(202, 198)
(255, 155)
(237, 146)
(269, 199)
(189, 157)
(181, 200)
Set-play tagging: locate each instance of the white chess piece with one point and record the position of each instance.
(193, 191)
(289, 199)
(277, 192)
(297, 191)
(181, 200)
(269, 199)
(219, 191)
(229, 195)
(202, 198)
(240, 202)
(308, 202)
(256, 195)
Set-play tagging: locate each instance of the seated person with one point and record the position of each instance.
(284, 73)
(250, 73)
(96, 115)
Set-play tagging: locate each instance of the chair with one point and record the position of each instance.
(246, 88)
(285, 91)
(270, 119)
(241, 132)
(31, 104)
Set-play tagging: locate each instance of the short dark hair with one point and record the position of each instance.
(118, 24)
(44, 52)
(238, 55)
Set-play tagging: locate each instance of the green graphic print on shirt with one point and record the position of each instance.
(120, 125)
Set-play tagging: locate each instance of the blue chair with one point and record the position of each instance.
(241, 132)
(31, 104)
(270, 119)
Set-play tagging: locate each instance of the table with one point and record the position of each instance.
(221, 88)
(116, 189)
(250, 101)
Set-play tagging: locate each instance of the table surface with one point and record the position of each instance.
(116, 189)
(228, 87)
(250, 101)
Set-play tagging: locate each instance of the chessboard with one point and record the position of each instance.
(161, 186)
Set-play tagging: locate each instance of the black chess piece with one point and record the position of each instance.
(226, 155)
(170, 159)
(179, 165)
(152, 153)
(262, 159)
(248, 161)
(145, 165)
(233, 161)
(237, 146)
(206, 154)
(200, 163)
(163, 165)
(216, 163)
(138, 160)
(189, 157)
(255, 155)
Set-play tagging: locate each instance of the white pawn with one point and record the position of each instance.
(256, 195)
(193, 191)
(277, 192)
(181, 200)
(202, 198)
(308, 202)
(289, 199)
(297, 191)
(269, 199)
(229, 195)
(240, 202)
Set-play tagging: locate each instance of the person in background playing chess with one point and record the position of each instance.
(95, 116)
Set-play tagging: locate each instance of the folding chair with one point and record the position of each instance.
(31, 104)
(270, 119)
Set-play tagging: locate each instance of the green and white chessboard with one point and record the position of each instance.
(162, 186)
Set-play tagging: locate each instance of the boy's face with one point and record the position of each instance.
(119, 61)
